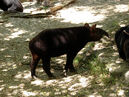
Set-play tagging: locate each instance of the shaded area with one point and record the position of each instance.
(100, 70)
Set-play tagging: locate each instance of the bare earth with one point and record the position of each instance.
(101, 73)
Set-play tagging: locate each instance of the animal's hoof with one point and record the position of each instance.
(65, 72)
(34, 76)
(73, 70)
(52, 77)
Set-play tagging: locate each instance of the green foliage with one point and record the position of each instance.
(93, 66)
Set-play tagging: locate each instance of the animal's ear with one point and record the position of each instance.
(93, 28)
(87, 25)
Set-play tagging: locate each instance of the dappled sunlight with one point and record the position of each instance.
(86, 14)
(94, 95)
(82, 50)
(9, 25)
(26, 93)
(65, 83)
(115, 54)
(112, 67)
(13, 66)
(25, 57)
(114, 48)
(16, 34)
(2, 87)
(60, 60)
(37, 82)
(29, 7)
(121, 8)
(127, 76)
(117, 67)
(121, 92)
(98, 46)
(101, 45)
(13, 87)
(70, 85)
(79, 15)
(83, 83)
(100, 71)
(23, 75)
(8, 66)
(2, 49)
(118, 61)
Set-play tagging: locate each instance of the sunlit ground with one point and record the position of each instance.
(101, 73)
(32, 8)
(88, 14)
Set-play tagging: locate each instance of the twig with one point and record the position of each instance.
(54, 9)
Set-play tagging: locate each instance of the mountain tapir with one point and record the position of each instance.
(55, 42)
(11, 5)
(122, 42)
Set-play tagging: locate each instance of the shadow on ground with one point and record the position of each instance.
(100, 70)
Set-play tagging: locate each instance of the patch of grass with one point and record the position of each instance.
(108, 80)
(97, 68)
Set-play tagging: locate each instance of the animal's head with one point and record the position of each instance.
(96, 33)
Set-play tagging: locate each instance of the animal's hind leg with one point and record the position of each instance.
(46, 66)
(34, 62)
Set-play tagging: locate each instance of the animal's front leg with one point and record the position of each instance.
(69, 63)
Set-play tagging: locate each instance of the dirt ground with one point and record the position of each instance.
(101, 73)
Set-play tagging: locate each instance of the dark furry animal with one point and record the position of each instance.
(55, 42)
(122, 42)
(11, 5)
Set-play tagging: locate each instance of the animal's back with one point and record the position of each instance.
(59, 41)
